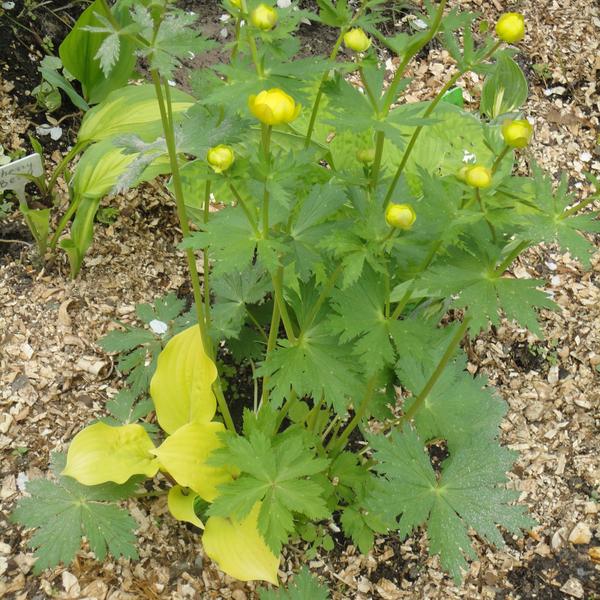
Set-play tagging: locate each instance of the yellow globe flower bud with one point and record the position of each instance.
(400, 216)
(478, 176)
(366, 155)
(274, 107)
(511, 27)
(220, 158)
(356, 39)
(264, 17)
(517, 133)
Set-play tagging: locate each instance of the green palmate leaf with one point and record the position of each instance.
(459, 409)
(125, 409)
(63, 512)
(81, 49)
(233, 293)
(469, 493)
(361, 314)
(476, 285)
(303, 587)
(550, 223)
(316, 365)
(279, 475)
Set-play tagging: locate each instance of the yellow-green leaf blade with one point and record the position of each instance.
(238, 548)
(181, 505)
(101, 453)
(133, 109)
(183, 455)
(182, 384)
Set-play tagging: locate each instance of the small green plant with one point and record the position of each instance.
(361, 240)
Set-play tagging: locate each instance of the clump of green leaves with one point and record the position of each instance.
(351, 321)
(63, 512)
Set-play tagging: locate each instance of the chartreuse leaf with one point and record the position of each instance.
(181, 505)
(239, 549)
(303, 587)
(101, 453)
(469, 493)
(184, 456)
(182, 383)
(132, 109)
(64, 511)
(550, 224)
(279, 475)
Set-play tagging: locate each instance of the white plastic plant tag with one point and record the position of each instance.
(11, 175)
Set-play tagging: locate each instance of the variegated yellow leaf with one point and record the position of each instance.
(183, 455)
(182, 383)
(239, 549)
(133, 109)
(181, 505)
(101, 453)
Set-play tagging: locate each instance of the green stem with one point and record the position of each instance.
(246, 209)
(454, 342)
(499, 158)
(484, 212)
(579, 206)
(368, 90)
(327, 288)
(236, 47)
(283, 411)
(252, 44)
(401, 305)
(67, 158)
(64, 221)
(430, 109)
(509, 259)
(205, 260)
(379, 141)
(167, 123)
(273, 330)
(338, 444)
(393, 89)
(280, 300)
(266, 148)
(258, 326)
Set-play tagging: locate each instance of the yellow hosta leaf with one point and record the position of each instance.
(181, 505)
(133, 109)
(183, 455)
(101, 453)
(239, 549)
(181, 385)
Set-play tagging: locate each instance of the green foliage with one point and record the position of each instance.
(277, 472)
(335, 317)
(468, 493)
(139, 348)
(303, 587)
(63, 512)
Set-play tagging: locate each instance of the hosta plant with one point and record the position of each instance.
(362, 239)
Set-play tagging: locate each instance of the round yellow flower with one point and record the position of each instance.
(478, 176)
(356, 39)
(400, 216)
(511, 27)
(264, 17)
(220, 158)
(366, 155)
(517, 133)
(274, 107)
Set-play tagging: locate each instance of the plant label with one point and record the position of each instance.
(14, 175)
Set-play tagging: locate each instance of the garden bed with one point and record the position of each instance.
(54, 378)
